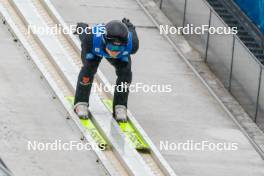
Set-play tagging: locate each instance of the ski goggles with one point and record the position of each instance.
(108, 39)
(113, 47)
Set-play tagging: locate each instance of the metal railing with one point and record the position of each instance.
(238, 69)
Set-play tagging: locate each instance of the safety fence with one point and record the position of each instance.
(238, 69)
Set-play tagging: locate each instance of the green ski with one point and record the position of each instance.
(135, 138)
(89, 125)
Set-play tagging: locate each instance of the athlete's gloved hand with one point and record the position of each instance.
(81, 26)
(127, 22)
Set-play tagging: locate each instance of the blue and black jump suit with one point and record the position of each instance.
(93, 50)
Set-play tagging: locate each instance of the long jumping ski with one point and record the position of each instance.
(131, 133)
(89, 125)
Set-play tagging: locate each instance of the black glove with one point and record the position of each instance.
(80, 25)
(128, 23)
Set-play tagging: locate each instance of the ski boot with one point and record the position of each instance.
(120, 113)
(81, 109)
